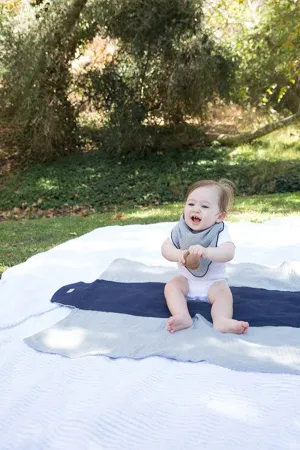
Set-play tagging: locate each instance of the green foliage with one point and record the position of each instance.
(39, 44)
(164, 70)
(263, 38)
(154, 23)
(104, 182)
(172, 58)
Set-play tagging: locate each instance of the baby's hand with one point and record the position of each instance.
(197, 249)
(181, 256)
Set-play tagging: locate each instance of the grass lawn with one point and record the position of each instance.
(99, 183)
(23, 238)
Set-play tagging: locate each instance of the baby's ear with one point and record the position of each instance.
(221, 217)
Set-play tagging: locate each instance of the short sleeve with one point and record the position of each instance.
(224, 236)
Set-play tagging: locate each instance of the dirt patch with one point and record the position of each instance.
(37, 213)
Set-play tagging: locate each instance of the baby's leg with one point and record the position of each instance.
(220, 297)
(176, 291)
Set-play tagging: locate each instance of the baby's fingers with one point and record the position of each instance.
(182, 258)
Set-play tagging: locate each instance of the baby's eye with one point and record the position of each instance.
(204, 206)
(190, 204)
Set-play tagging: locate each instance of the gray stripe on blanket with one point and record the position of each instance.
(83, 333)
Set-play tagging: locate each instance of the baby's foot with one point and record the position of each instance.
(179, 322)
(225, 325)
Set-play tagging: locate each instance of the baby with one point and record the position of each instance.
(202, 232)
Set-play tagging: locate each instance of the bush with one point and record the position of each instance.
(105, 182)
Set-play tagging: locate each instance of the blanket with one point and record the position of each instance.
(120, 319)
(51, 402)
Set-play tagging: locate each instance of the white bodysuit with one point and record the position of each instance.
(199, 287)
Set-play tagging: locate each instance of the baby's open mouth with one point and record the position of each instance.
(195, 219)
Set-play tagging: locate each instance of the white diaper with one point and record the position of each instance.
(198, 289)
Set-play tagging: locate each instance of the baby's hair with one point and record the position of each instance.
(226, 189)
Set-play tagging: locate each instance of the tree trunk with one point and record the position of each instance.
(45, 114)
(65, 27)
(73, 14)
(245, 138)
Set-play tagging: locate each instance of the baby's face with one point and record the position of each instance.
(201, 209)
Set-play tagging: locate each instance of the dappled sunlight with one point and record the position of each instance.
(277, 354)
(274, 147)
(148, 213)
(166, 212)
(280, 356)
(111, 112)
(185, 347)
(62, 339)
(73, 338)
(235, 408)
(218, 343)
(47, 184)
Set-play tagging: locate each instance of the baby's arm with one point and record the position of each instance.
(171, 253)
(224, 253)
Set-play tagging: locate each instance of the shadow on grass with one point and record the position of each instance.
(101, 181)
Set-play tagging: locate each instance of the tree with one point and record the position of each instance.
(263, 38)
(172, 58)
(37, 78)
(165, 68)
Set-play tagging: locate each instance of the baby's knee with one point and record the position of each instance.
(170, 287)
(220, 291)
(219, 287)
(175, 285)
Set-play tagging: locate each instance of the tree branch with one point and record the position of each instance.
(243, 138)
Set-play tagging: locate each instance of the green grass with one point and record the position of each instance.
(21, 239)
(100, 181)
(284, 145)
(132, 185)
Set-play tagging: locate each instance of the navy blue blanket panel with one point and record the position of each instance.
(260, 307)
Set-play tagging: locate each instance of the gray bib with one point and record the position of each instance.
(183, 237)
